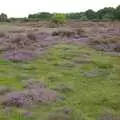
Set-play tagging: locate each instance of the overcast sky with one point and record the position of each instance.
(21, 8)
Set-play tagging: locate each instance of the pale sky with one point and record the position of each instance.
(21, 8)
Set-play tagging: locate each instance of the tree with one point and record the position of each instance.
(73, 15)
(90, 14)
(59, 18)
(3, 17)
(83, 16)
(117, 13)
(106, 13)
(40, 16)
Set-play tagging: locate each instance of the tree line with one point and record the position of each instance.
(107, 13)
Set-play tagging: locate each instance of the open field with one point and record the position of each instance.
(66, 73)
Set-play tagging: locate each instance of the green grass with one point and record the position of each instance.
(96, 85)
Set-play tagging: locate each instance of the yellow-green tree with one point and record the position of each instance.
(59, 18)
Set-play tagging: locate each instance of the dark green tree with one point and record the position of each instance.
(73, 15)
(3, 17)
(117, 13)
(90, 14)
(40, 16)
(106, 13)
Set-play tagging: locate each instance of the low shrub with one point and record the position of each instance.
(31, 36)
(63, 33)
(2, 34)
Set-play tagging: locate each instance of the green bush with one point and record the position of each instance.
(59, 19)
